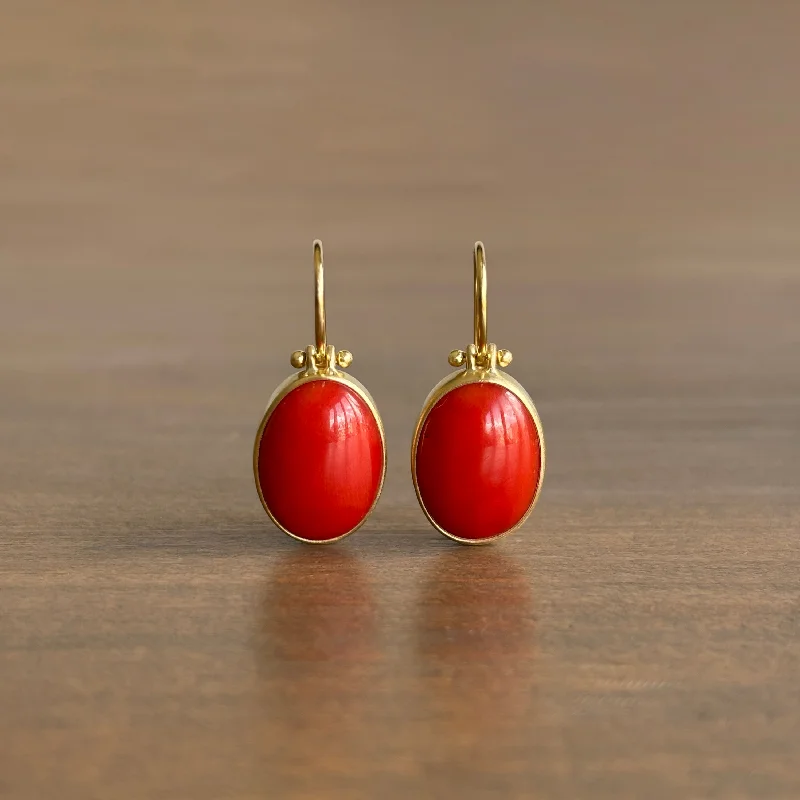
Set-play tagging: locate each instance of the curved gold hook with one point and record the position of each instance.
(319, 300)
(480, 354)
(479, 258)
(320, 356)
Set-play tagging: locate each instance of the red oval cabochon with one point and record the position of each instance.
(320, 460)
(478, 461)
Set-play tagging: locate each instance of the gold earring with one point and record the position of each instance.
(319, 458)
(478, 456)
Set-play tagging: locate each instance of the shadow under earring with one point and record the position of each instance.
(478, 457)
(319, 458)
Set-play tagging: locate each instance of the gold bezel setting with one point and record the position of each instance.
(482, 363)
(318, 362)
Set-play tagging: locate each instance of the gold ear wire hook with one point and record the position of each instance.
(316, 356)
(319, 301)
(479, 258)
(321, 356)
(480, 354)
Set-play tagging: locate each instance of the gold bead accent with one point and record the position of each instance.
(298, 359)
(456, 358)
(504, 357)
(344, 358)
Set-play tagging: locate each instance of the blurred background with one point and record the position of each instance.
(633, 169)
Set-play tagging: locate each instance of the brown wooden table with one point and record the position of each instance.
(633, 171)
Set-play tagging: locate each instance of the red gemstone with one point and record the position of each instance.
(320, 460)
(478, 461)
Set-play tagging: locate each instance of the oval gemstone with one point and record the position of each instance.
(478, 461)
(320, 460)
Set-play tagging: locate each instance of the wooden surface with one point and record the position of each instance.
(633, 169)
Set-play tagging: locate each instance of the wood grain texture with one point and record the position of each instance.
(633, 171)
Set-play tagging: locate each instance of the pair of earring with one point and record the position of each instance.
(477, 457)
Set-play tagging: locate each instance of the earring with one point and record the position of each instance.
(477, 459)
(320, 452)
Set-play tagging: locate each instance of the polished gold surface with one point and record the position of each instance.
(632, 168)
(479, 264)
(502, 358)
(344, 358)
(318, 363)
(320, 332)
(482, 363)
